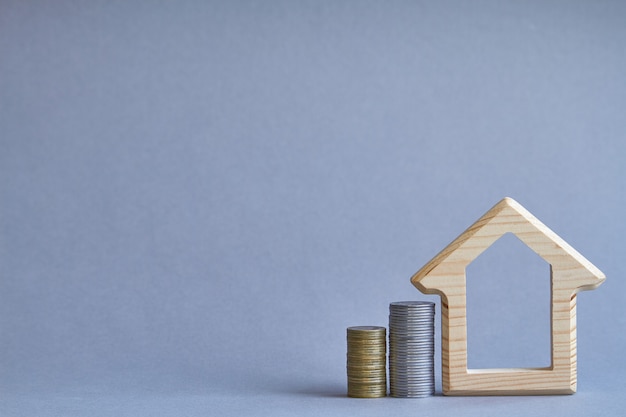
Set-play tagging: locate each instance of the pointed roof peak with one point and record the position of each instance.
(509, 202)
(510, 216)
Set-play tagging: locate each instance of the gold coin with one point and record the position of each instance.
(366, 352)
(366, 329)
(366, 367)
(366, 336)
(367, 390)
(365, 362)
(369, 343)
(378, 339)
(366, 332)
(380, 379)
(367, 374)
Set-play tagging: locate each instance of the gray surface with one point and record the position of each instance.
(197, 198)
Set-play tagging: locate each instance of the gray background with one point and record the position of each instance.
(197, 198)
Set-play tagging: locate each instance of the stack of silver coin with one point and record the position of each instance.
(366, 362)
(411, 349)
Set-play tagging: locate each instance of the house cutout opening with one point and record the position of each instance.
(570, 273)
(514, 330)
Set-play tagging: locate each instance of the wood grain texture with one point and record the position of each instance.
(445, 275)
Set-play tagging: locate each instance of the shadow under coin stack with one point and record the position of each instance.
(366, 363)
(411, 349)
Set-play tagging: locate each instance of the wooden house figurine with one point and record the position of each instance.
(445, 275)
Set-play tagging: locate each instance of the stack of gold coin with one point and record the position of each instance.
(366, 365)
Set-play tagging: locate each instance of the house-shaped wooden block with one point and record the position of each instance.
(445, 275)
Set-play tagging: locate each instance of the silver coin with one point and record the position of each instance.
(405, 367)
(399, 358)
(411, 310)
(410, 362)
(417, 352)
(418, 372)
(396, 322)
(408, 341)
(415, 392)
(421, 314)
(397, 389)
(412, 388)
(410, 331)
(411, 349)
(424, 375)
(410, 365)
(416, 339)
(405, 386)
(407, 344)
(412, 313)
(396, 379)
(400, 383)
(415, 389)
(399, 379)
(397, 304)
(415, 370)
(395, 341)
(409, 328)
(397, 384)
(410, 370)
(411, 341)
